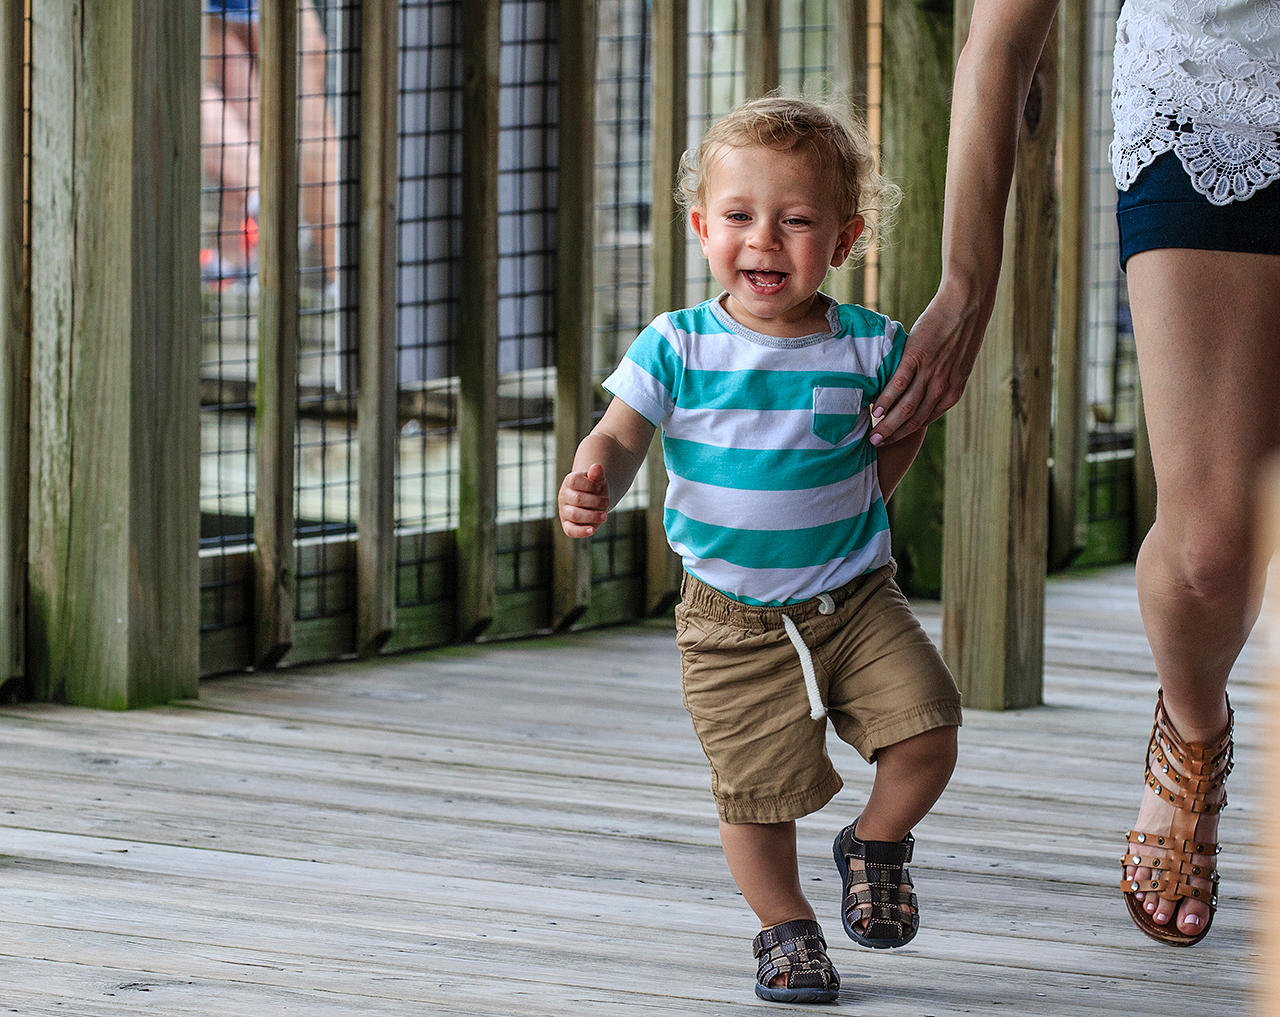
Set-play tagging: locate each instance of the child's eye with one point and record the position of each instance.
(738, 217)
(797, 221)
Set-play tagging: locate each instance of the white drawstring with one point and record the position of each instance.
(816, 708)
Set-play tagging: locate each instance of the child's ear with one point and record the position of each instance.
(848, 237)
(698, 220)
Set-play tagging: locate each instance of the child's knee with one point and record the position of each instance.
(935, 749)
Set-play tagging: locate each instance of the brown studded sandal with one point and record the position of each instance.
(1191, 776)
(798, 951)
(873, 873)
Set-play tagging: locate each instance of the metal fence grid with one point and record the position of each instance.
(229, 320)
(429, 238)
(623, 299)
(717, 83)
(807, 48)
(527, 102)
(1111, 359)
(326, 473)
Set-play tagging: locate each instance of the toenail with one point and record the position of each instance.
(1191, 920)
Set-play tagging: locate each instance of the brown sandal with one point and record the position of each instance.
(1192, 776)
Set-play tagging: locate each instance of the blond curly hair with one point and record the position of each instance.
(828, 129)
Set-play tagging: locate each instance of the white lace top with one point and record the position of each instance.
(1200, 78)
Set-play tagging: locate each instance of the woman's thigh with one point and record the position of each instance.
(1207, 327)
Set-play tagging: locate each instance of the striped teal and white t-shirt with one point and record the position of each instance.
(772, 493)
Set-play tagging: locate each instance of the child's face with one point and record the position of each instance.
(770, 231)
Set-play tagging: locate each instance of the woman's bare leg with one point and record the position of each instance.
(1208, 345)
(317, 140)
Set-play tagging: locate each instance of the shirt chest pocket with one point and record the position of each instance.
(835, 413)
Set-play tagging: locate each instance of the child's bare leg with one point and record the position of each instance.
(762, 859)
(910, 776)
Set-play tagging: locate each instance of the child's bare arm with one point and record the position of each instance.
(894, 458)
(603, 469)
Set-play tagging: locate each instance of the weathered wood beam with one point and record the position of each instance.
(379, 177)
(762, 22)
(917, 61)
(997, 478)
(14, 396)
(478, 320)
(1070, 428)
(277, 404)
(849, 284)
(670, 121)
(575, 285)
(115, 352)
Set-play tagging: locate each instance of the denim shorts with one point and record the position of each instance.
(879, 676)
(1162, 209)
(233, 10)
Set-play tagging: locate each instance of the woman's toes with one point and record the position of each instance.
(1190, 924)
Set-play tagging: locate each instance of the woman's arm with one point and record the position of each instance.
(993, 76)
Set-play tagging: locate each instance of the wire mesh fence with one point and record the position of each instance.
(229, 108)
(623, 296)
(429, 235)
(326, 487)
(527, 119)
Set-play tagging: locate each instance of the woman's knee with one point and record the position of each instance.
(1205, 561)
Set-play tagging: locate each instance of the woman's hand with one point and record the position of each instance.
(935, 366)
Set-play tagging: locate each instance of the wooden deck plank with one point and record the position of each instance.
(526, 828)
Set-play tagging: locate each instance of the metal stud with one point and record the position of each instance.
(1195, 870)
(1155, 884)
(1142, 838)
(1134, 885)
(1195, 893)
(1137, 860)
(1159, 840)
(1156, 864)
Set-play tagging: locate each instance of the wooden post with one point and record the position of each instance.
(670, 132)
(115, 352)
(917, 92)
(1269, 806)
(761, 57)
(277, 389)
(997, 479)
(379, 173)
(1070, 428)
(14, 397)
(478, 321)
(849, 284)
(575, 287)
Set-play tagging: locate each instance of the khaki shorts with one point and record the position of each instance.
(880, 676)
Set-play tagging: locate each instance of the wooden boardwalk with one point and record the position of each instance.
(525, 829)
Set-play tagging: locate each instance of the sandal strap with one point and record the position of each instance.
(880, 902)
(1192, 777)
(798, 950)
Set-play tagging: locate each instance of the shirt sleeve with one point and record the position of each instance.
(648, 378)
(895, 340)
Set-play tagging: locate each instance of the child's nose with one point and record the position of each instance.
(764, 237)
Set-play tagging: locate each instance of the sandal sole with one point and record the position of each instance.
(1169, 934)
(780, 995)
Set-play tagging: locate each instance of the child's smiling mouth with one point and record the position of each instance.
(765, 282)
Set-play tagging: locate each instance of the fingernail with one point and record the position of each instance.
(876, 439)
(877, 412)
